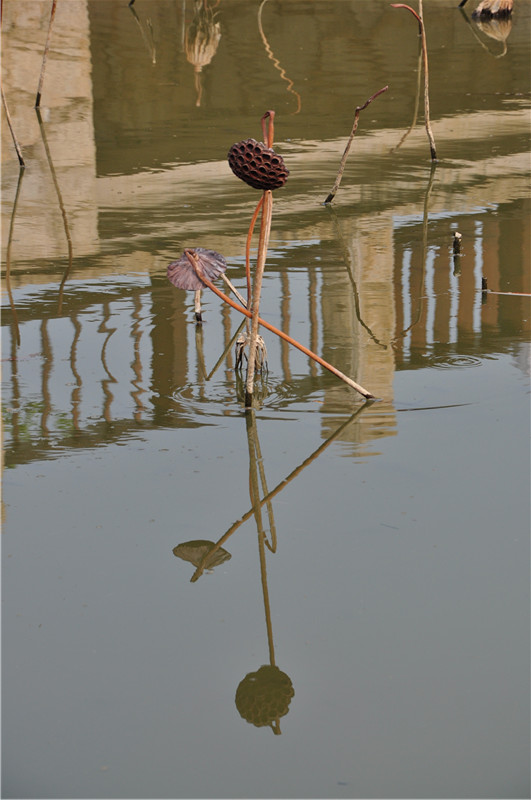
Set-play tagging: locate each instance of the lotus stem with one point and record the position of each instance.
(248, 248)
(197, 306)
(195, 263)
(422, 32)
(265, 229)
(359, 109)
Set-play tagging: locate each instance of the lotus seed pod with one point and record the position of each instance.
(257, 165)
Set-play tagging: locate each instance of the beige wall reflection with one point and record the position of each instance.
(66, 109)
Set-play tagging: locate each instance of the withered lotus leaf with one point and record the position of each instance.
(182, 274)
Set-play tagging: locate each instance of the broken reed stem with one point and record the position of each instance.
(12, 130)
(263, 242)
(422, 32)
(194, 261)
(359, 109)
(45, 55)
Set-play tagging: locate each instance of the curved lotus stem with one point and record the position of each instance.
(426, 75)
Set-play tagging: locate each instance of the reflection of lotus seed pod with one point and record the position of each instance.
(257, 165)
(264, 696)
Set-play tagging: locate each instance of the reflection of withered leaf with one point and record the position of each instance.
(498, 29)
(182, 274)
(195, 552)
(493, 8)
(202, 37)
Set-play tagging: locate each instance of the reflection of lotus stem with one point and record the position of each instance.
(254, 491)
(347, 148)
(8, 258)
(196, 265)
(353, 282)
(417, 101)
(282, 485)
(12, 131)
(45, 55)
(424, 253)
(275, 61)
(149, 44)
(227, 349)
(426, 74)
(61, 207)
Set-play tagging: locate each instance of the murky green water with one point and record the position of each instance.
(374, 556)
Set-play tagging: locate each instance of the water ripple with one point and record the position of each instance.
(455, 362)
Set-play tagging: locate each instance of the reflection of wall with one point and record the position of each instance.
(358, 321)
(126, 216)
(440, 308)
(66, 108)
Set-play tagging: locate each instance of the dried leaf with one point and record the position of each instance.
(182, 274)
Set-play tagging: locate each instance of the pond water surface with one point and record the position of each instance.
(318, 597)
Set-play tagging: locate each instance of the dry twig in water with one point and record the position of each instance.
(347, 148)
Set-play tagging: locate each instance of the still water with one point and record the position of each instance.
(361, 626)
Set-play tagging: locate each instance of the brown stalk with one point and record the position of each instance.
(263, 243)
(194, 261)
(349, 143)
(248, 247)
(45, 55)
(265, 229)
(422, 32)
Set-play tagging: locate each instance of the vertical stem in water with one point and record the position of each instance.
(263, 242)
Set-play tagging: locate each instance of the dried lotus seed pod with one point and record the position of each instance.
(257, 165)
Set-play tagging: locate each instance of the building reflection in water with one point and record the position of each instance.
(96, 341)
